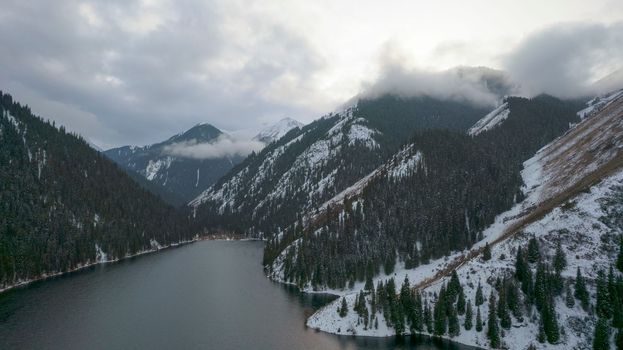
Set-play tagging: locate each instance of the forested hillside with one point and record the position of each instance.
(547, 272)
(434, 197)
(295, 175)
(64, 205)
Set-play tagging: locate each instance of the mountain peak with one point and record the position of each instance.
(277, 130)
(202, 132)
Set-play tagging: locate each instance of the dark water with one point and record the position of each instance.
(208, 295)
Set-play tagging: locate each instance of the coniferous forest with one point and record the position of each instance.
(62, 203)
(442, 205)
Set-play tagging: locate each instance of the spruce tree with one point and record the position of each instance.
(620, 256)
(439, 313)
(541, 286)
(454, 329)
(603, 306)
(503, 314)
(468, 316)
(601, 339)
(478, 320)
(581, 293)
(417, 321)
(486, 254)
(454, 287)
(460, 303)
(533, 251)
(513, 299)
(550, 321)
(520, 265)
(479, 297)
(428, 319)
(343, 310)
(560, 259)
(369, 284)
(493, 332)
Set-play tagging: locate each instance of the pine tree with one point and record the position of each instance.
(533, 251)
(581, 293)
(343, 310)
(560, 259)
(468, 316)
(479, 297)
(601, 339)
(503, 314)
(618, 340)
(569, 299)
(478, 320)
(486, 254)
(603, 306)
(493, 333)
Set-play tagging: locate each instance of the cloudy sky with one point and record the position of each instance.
(135, 72)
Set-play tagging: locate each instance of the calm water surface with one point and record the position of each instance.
(207, 295)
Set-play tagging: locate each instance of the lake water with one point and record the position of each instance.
(207, 295)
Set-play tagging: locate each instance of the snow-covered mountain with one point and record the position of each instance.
(276, 131)
(310, 165)
(571, 206)
(178, 178)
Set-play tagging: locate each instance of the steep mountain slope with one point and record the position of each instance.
(177, 175)
(528, 259)
(278, 130)
(64, 205)
(295, 175)
(431, 198)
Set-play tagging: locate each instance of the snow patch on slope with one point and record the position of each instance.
(154, 167)
(277, 130)
(595, 105)
(491, 120)
(587, 241)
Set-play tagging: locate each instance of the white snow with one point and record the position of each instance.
(578, 227)
(100, 255)
(491, 120)
(598, 103)
(11, 119)
(278, 130)
(154, 167)
(577, 224)
(197, 183)
(405, 166)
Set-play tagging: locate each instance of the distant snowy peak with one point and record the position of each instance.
(491, 120)
(278, 130)
(598, 103)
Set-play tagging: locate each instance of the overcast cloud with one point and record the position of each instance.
(224, 146)
(567, 60)
(138, 71)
